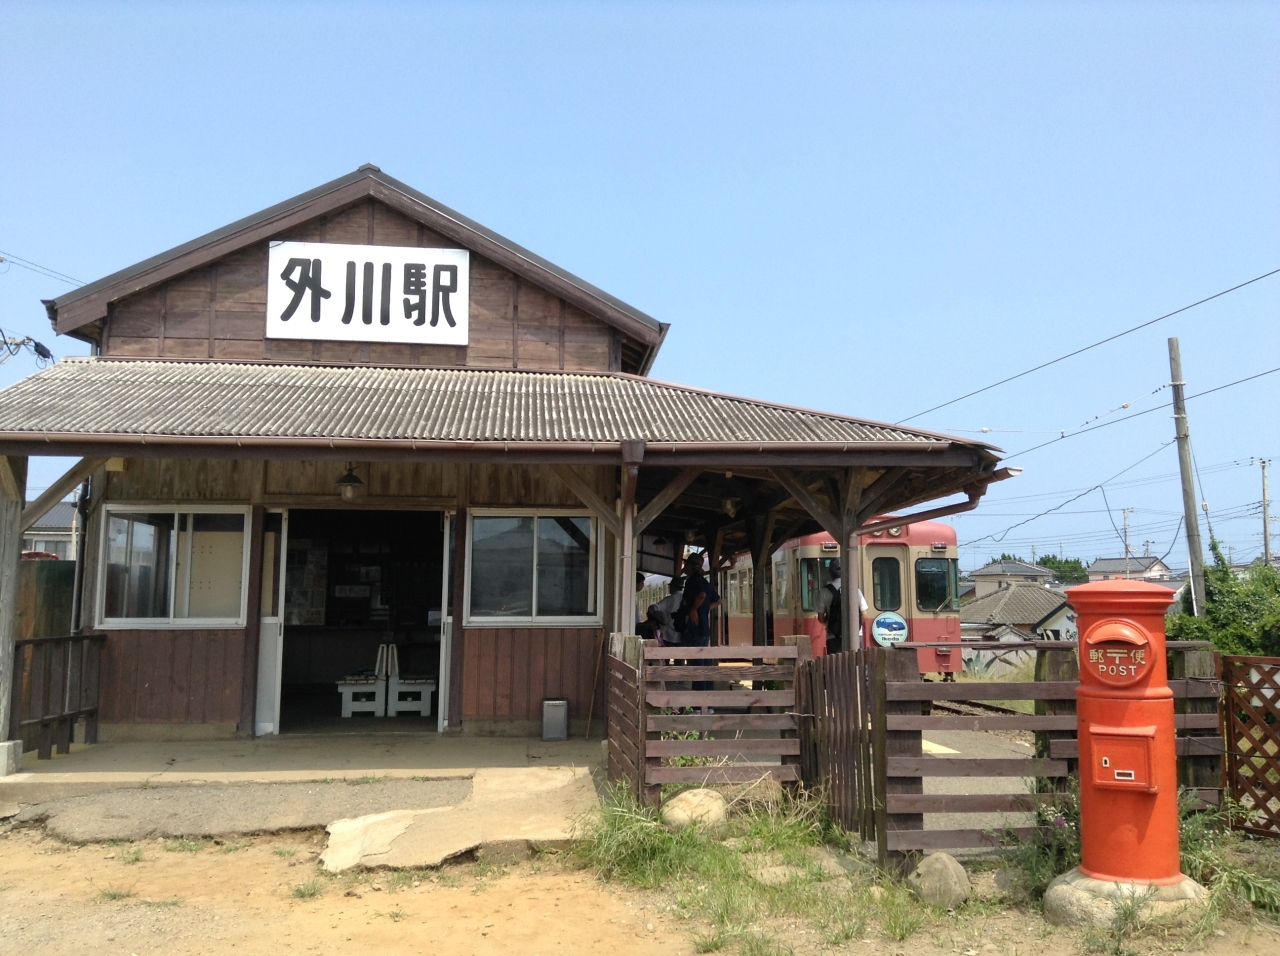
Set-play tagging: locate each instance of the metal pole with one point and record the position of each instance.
(77, 576)
(1183, 435)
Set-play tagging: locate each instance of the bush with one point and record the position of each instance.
(1242, 614)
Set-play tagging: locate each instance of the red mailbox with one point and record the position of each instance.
(1128, 765)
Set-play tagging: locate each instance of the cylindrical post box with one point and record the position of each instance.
(1124, 707)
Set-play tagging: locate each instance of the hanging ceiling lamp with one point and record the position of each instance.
(349, 484)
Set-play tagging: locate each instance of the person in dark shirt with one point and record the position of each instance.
(698, 600)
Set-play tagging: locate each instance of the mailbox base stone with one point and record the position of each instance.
(1075, 899)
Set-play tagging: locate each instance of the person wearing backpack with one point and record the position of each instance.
(694, 616)
(831, 610)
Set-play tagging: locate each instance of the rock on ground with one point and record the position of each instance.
(220, 810)
(940, 880)
(707, 808)
(1074, 899)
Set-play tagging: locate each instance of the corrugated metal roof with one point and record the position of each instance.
(58, 517)
(195, 399)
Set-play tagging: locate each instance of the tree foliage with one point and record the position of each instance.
(1066, 570)
(1242, 613)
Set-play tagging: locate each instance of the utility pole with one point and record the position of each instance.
(1266, 515)
(1127, 550)
(1183, 435)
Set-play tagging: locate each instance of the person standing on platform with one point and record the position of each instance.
(699, 598)
(662, 615)
(831, 611)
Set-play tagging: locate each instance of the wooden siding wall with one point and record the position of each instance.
(172, 677)
(509, 671)
(194, 676)
(219, 312)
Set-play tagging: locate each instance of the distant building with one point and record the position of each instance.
(53, 533)
(1032, 609)
(968, 591)
(1132, 568)
(999, 574)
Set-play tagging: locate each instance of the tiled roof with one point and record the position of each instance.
(1018, 604)
(1131, 565)
(96, 397)
(1013, 567)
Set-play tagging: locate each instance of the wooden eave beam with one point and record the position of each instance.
(875, 494)
(588, 496)
(58, 490)
(800, 491)
(664, 498)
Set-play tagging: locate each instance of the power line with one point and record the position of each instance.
(1117, 421)
(37, 268)
(1080, 351)
(1000, 535)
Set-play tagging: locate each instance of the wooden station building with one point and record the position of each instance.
(359, 418)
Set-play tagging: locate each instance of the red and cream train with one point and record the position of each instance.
(909, 577)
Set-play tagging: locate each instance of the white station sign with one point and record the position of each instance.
(346, 293)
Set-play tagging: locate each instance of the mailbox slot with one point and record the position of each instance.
(1124, 757)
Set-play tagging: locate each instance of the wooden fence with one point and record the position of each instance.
(833, 702)
(903, 714)
(1252, 722)
(714, 735)
(55, 684)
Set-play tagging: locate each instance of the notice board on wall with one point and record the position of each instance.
(306, 581)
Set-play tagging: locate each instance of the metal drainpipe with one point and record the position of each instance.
(77, 578)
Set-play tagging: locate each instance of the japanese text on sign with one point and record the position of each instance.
(1117, 661)
(349, 293)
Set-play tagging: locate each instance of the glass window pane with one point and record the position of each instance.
(809, 585)
(214, 578)
(502, 566)
(564, 567)
(933, 579)
(886, 584)
(137, 566)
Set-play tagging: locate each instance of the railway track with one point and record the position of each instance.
(971, 707)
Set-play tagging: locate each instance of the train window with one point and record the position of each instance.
(886, 584)
(781, 593)
(934, 589)
(815, 574)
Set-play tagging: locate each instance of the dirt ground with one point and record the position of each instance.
(267, 895)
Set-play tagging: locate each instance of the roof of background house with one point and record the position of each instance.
(1130, 564)
(57, 518)
(1023, 604)
(1012, 567)
(219, 402)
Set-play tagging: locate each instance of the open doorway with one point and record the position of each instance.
(356, 581)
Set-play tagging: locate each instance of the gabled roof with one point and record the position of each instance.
(1023, 604)
(89, 303)
(88, 401)
(56, 518)
(1132, 565)
(1013, 567)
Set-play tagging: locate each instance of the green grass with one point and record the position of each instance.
(397, 915)
(308, 890)
(359, 781)
(183, 845)
(130, 855)
(713, 883)
(111, 893)
(284, 852)
(172, 901)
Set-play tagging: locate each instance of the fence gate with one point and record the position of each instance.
(1252, 707)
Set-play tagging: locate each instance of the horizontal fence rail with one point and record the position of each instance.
(55, 684)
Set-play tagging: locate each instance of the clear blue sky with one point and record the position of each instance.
(864, 208)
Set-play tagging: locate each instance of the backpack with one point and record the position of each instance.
(835, 614)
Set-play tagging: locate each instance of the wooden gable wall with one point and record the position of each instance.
(219, 312)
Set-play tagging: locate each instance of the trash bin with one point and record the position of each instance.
(555, 720)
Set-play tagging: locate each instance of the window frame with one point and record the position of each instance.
(875, 591)
(535, 619)
(171, 622)
(949, 575)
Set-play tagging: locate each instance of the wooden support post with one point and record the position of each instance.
(894, 665)
(13, 483)
(1200, 771)
(1054, 664)
(627, 564)
(760, 540)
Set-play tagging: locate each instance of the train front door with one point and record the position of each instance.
(886, 621)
